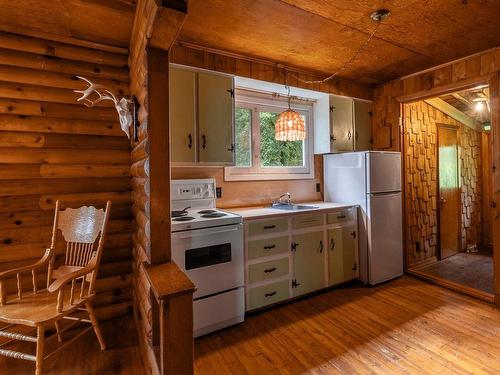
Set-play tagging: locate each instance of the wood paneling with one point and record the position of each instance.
(421, 182)
(54, 148)
(263, 69)
(256, 193)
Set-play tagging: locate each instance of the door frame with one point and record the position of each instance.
(492, 80)
(459, 200)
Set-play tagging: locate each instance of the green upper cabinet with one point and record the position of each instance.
(308, 262)
(183, 115)
(341, 121)
(215, 118)
(201, 117)
(342, 262)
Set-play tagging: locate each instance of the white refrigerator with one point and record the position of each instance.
(371, 179)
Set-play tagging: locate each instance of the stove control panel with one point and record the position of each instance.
(192, 189)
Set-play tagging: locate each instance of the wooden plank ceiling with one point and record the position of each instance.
(313, 34)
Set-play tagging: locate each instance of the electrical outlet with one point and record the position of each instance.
(318, 187)
(218, 192)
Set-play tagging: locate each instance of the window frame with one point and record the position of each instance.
(259, 102)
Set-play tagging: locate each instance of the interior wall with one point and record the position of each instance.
(52, 147)
(255, 193)
(421, 182)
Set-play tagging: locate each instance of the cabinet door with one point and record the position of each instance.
(341, 122)
(362, 125)
(215, 118)
(342, 263)
(182, 115)
(308, 262)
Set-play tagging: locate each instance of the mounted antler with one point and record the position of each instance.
(122, 105)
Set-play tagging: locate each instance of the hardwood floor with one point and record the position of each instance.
(403, 327)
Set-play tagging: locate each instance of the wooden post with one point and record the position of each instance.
(494, 86)
(159, 168)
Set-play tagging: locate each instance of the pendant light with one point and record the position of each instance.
(290, 125)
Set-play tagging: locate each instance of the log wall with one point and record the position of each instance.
(421, 182)
(52, 147)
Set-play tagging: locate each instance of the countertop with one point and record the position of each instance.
(263, 212)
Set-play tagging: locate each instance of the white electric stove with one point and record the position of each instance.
(207, 244)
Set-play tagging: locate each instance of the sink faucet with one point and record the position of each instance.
(283, 200)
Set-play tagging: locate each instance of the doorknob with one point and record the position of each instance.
(443, 202)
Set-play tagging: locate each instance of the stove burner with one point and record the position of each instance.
(183, 218)
(179, 213)
(214, 215)
(207, 212)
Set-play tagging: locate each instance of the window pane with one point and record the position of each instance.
(243, 137)
(275, 153)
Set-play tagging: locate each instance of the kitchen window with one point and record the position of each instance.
(258, 156)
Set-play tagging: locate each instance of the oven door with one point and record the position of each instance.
(211, 257)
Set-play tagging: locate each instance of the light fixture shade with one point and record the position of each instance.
(290, 126)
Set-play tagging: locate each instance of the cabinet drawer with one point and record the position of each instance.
(263, 248)
(307, 221)
(268, 226)
(267, 270)
(341, 216)
(267, 294)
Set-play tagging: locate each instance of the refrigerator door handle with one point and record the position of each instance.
(389, 193)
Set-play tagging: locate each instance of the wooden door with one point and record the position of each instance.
(308, 262)
(341, 123)
(215, 118)
(342, 262)
(449, 191)
(182, 115)
(362, 125)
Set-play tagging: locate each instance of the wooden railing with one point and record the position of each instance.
(173, 292)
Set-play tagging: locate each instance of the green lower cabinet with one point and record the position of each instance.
(267, 294)
(308, 262)
(342, 263)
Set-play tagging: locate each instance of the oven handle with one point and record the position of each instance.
(205, 231)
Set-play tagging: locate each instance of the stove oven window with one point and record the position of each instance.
(207, 256)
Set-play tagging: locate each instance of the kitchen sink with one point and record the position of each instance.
(292, 207)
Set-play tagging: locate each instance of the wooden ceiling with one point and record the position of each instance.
(465, 101)
(317, 35)
(102, 21)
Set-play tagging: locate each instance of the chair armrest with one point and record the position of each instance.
(40, 263)
(62, 281)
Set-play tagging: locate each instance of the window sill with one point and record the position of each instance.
(232, 174)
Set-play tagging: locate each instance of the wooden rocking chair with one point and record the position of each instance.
(70, 287)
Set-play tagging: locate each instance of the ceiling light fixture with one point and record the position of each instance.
(290, 124)
(479, 106)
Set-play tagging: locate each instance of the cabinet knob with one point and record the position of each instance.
(349, 135)
(190, 137)
(353, 234)
(204, 141)
(321, 246)
(332, 244)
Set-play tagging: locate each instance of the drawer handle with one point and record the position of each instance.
(332, 244)
(269, 270)
(341, 217)
(269, 247)
(269, 226)
(270, 294)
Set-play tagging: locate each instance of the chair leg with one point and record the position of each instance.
(40, 343)
(95, 324)
(58, 330)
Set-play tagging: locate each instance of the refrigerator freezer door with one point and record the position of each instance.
(344, 176)
(385, 237)
(383, 171)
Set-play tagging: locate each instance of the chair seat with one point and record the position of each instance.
(40, 308)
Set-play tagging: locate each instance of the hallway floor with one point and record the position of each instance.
(474, 270)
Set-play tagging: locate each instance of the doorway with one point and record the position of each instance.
(447, 191)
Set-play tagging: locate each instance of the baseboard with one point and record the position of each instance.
(476, 293)
(423, 263)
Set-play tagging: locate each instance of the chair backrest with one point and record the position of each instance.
(83, 230)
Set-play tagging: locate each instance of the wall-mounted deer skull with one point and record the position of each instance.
(122, 105)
